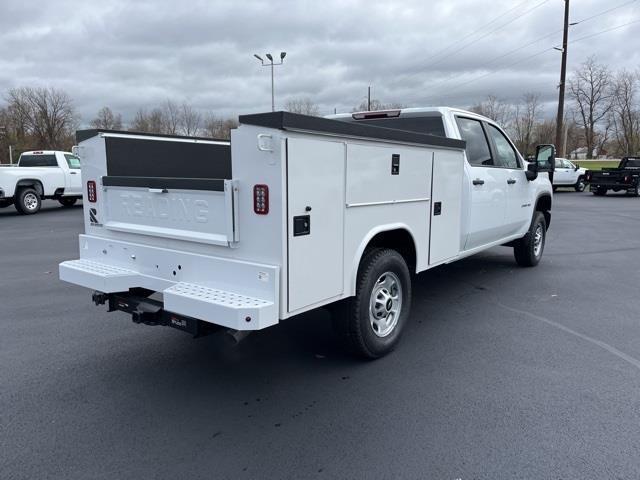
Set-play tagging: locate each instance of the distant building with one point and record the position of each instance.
(581, 154)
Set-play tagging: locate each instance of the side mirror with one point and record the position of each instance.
(577, 168)
(546, 158)
(532, 171)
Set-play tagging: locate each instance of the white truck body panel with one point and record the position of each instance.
(214, 259)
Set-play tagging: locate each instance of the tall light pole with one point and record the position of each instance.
(271, 64)
(563, 76)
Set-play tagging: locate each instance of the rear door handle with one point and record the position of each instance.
(511, 181)
(477, 181)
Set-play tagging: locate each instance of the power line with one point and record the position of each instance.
(486, 34)
(494, 30)
(537, 54)
(604, 13)
(522, 47)
(460, 40)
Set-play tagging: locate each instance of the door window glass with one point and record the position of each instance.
(72, 161)
(478, 152)
(505, 154)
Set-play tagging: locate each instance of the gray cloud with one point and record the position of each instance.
(137, 54)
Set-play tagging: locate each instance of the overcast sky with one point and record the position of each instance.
(130, 54)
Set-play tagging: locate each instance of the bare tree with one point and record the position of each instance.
(190, 120)
(495, 109)
(154, 121)
(376, 105)
(304, 106)
(46, 114)
(218, 127)
(544, 132)
(171, 117)
(625, 115)
(107, 119)
(524, 120)
(590, 89)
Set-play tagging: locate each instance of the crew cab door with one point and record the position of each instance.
(565, 173)
(517, 186)
(70, 164)
(487, 194)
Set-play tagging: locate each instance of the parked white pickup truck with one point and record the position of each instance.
(301, 212)
(568, 174)
(39, 175)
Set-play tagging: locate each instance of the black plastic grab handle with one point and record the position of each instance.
(477, 181)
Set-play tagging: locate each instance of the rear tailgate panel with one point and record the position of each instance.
(203, 216)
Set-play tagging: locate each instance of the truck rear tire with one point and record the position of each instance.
(528, 250)
(27, 201)
(600, 192)
(67, 201)
(372, 322)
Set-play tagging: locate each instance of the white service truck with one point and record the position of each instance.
(300, 212)
(39, 175)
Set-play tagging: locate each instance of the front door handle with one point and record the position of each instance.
(73, 173)
(477, 181)
(511, 181)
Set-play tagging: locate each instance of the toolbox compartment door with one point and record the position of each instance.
(315, 179)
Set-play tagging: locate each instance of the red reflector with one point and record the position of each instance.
(261, 199)
(92, 193)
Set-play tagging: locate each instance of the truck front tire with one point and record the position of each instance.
(372, 322)
(528, 250)
(28, 201)
(580, 185)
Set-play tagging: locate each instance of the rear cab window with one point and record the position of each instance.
(38, 160)
(427, 124)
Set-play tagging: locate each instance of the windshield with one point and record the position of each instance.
(72, 161)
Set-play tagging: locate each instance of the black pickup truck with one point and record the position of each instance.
(626, 177)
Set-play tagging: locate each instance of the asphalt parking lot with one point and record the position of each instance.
(504, 372)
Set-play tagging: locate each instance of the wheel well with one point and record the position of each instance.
(31, 183)
(399, 240)
(543, 204)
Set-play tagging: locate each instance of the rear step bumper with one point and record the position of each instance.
(233, 308)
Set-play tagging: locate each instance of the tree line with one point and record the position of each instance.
(603, 116)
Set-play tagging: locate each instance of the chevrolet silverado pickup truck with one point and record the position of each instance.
(626, 177)
(42, 174)
(568, 174)
(300, 212)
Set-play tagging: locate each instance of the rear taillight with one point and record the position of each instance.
(92, 193)
(588, 177)
(261, 199)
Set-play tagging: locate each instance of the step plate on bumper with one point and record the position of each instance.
(98, 276)
(224, 308)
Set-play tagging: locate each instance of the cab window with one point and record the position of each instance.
(478, 152)
(72, 161)
(505, 154)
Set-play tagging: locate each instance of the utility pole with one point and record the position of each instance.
(271, 64)
(369, 98)
(563, 76)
